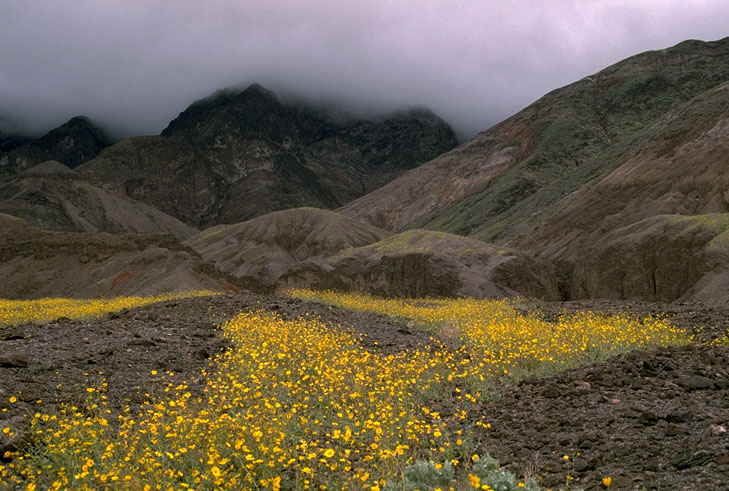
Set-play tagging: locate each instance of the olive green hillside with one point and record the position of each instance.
(594, 160)
(505, 182)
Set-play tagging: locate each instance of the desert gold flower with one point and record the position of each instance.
(299, 404)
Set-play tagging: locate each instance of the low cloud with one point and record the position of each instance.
(133, 66)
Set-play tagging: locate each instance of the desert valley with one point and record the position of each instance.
(268, 295)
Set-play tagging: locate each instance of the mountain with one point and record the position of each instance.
(71, 144)
(52, 196)
(642, 138)
(424, 263)
(265, 248)
(322, 249)
(36, 263)
(241, 154)
(614, 186)
(548, 150)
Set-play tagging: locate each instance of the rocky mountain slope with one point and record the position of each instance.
(238, 155)
(52, 196)
(661, 258)
(424, 263)
(321, 249)
(265, 248)
(72, 144)
(644, 137)
(550, 149)
(36, 263)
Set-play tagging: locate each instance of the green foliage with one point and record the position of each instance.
(488, 471)
(485, 473)
(427, 476)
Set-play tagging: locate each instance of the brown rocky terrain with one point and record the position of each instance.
(649, 419)
(36, 263)
(52, 196)
(268, 246)
(422, 263)
(321, 249)
(303, 247)
(240, 154)
(661, 258)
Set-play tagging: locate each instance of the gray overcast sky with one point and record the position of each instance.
(134, 65)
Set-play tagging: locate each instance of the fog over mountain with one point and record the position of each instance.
(133, 66)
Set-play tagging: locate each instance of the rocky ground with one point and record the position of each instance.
(648, 419)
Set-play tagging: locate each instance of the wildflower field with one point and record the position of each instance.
(48, 309)
(298, 404)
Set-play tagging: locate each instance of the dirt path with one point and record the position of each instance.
(657, 419)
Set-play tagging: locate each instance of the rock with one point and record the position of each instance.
(717, 430)
(671, 430)
(621, 451)
(722, 459)
(581, 465)
(680, 416)
(648, 418)
(698, 382)
(551, 391)
(11, 334)
(13, 360)
(692, 459)
(722, 383)
(621, 482)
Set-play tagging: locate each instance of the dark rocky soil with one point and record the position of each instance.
(654, 419)
(648, 419)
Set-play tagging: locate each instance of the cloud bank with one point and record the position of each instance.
(132, 66)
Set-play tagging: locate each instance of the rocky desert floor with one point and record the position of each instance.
(648, 419)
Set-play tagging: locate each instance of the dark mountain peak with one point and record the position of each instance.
(78, 126)
(229, 96)
(11, 142)
(420, 113)
(238, 154)
(74, 142)
(258, 90)
(71, 144)
(253, 113)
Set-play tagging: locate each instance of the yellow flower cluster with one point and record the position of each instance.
(296, 405)
(47, 309)
(500, 340)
